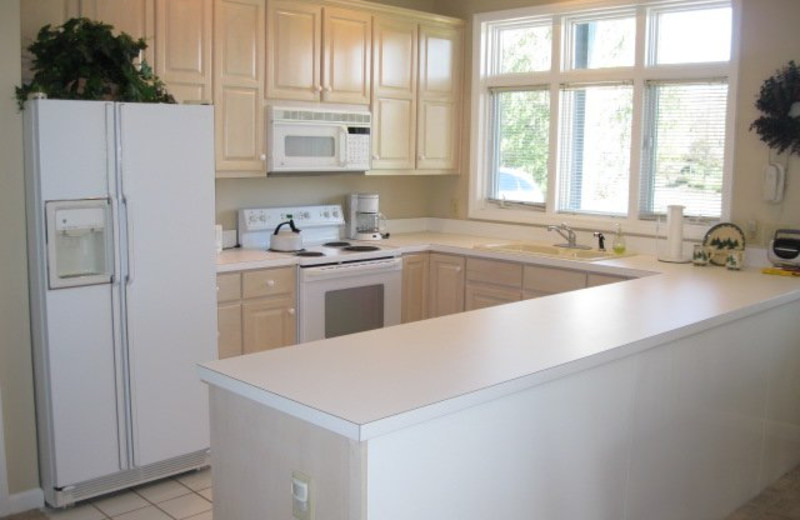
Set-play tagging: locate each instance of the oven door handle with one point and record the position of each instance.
(326, 272)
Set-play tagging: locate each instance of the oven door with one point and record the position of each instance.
(307, 147)
(345, 298)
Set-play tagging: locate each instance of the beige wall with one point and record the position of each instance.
(400, 197)
(769, 39)
(15, 353)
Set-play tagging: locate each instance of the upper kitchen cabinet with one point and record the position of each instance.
(416, 93)
(134, 17)
(394, 94)
(183, 48)
(439, 97)
(239, 87)
(317, 53)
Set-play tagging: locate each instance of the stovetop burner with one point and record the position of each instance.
(309, 253)
(336, 244)
(362, 249)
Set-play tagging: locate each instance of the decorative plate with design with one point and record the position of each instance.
(722, 238)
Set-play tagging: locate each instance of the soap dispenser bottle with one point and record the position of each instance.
(618, 245)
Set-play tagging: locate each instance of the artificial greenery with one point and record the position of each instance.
(776, 126)
(82, 59)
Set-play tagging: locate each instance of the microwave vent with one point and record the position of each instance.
(326, 116)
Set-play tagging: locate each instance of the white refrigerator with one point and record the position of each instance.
(121, 250)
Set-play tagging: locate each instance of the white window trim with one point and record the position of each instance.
(480, 209)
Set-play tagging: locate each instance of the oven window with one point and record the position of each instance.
(309, 146)
(353, 310)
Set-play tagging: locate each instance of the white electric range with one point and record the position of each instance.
(343, 286)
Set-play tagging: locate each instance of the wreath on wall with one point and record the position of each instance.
(779, 101)
(83, 59)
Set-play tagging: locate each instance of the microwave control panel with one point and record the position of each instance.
(358, 147)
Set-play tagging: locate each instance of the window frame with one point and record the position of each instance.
(480, 207)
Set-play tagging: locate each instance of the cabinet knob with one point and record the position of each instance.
(270, 283)
(316, 88)
(290, 310)
(328, 88)
(376, 157)
(218, 288)
(263, 157)
(421, 157)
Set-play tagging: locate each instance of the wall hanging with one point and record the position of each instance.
(779, 102)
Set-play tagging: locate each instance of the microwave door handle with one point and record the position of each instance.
(343, 146)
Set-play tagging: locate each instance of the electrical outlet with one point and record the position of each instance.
(752, 230)
(454, 207)
(302, 497)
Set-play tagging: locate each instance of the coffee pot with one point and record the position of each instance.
(366, 220)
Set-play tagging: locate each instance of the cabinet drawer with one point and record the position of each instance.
(494, 272)
(229, 287)
(268, 282)
(550, 280)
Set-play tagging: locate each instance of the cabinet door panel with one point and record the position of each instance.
(415, 287)
(437, 145)
(135, 17)
(347, 56)
(239, 87)
(594, 279)
(229, 322)
(395, 57)
(478, 296)
(440, 62)
(183, 47)
(447, 285)
(393, 122)
(294, 46)
(240, 127)
(549, 280)
(267, 324)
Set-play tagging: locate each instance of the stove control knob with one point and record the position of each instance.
(327, 214)
(335, 214)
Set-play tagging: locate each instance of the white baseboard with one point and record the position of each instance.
(21, 502)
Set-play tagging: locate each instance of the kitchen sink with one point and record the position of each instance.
(530, 248)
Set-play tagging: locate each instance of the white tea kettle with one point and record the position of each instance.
(286, 240)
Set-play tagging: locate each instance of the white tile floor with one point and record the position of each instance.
(186, 496)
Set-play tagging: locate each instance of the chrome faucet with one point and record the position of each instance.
(569, 235)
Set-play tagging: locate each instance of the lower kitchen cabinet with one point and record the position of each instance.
(543, 281)
(594, 279)
(491, 282)
(268, 323)
(446, 275)
(415, 287)
(256, 310)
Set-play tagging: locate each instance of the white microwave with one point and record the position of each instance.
(316, 139)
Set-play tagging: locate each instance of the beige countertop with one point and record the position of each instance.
(368, 384)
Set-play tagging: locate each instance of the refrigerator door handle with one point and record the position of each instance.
(129, 242)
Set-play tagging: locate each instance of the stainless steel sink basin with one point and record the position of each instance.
(530, 248)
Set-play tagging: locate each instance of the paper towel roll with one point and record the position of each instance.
(675, 232)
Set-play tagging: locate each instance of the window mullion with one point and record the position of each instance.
(638, 120)
(553, 180)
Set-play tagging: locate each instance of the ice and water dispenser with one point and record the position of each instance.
(79, 243)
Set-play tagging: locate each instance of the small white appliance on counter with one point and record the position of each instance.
(366, 220)
(784, 248)
(312, 139)
(343, 287)
(120, 210)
